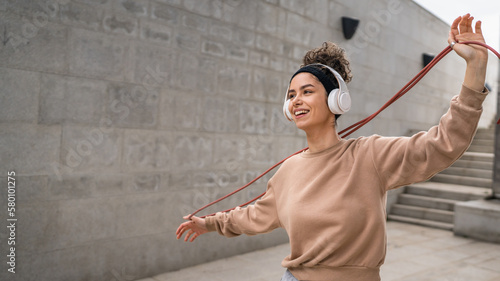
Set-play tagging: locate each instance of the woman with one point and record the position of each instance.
(331, 198)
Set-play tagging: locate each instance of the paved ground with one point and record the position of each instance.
(414, 253)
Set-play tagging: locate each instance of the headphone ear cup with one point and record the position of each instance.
(345, 101)
(339, 102)
(286, 112)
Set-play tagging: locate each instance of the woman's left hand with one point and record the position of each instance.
(476, 56)
(461, 30)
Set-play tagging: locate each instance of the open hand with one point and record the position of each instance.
(461, 30)
(196, 227)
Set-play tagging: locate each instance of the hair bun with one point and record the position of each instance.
(332, 55)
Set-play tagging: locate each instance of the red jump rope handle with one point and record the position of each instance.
(351, 129)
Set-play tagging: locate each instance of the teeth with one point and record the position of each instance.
(301, 112)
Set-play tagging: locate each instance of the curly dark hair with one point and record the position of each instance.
(332, 55)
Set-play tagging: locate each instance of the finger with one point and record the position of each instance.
(454, 27)
(183, 225)
(182, 228)
(462, 26)
(478, 28)
(469, 24)
(188, 235)
(179, 229)
(187, 217)
(195, 235)
(180, 232)
(451, 38)
(454, 30)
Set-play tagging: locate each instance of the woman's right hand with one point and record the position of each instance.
(196, 227)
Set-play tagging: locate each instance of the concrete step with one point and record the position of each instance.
(468, 172)
(484, 142)
(426, 202)
(428, 223)
(478, 156)
(485, 134)
(448, 191)
(481, 148)
(479, 165)
(432, 203)
(422, 213)
(463, 180)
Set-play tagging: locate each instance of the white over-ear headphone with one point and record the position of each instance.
(339, 100)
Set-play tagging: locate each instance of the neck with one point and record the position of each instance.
(319, 140)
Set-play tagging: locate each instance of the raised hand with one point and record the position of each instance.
(476, 56)
(461, 30)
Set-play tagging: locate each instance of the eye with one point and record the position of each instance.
(291, 96)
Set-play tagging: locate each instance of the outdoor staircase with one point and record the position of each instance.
(432, 203)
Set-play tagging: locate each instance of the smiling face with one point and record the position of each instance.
(308, 103)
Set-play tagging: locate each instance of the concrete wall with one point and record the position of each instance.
(120, 117)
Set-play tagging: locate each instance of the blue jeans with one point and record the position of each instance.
(288, 277)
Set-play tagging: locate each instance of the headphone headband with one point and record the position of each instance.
(327, 82)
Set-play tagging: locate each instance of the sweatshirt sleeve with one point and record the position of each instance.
(260, 217)
(405, 160)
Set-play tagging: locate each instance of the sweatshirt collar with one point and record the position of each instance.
(309, 154)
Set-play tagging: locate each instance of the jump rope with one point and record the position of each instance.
(354, 127)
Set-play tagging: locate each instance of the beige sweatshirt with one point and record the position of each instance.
(332, 203)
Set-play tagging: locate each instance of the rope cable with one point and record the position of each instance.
(354, 127)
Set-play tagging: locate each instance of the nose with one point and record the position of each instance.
(297, 100)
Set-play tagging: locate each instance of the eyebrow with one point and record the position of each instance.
(301, 88)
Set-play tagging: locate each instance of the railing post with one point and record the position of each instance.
(496, 163)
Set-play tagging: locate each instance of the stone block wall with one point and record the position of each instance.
(118, 117)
